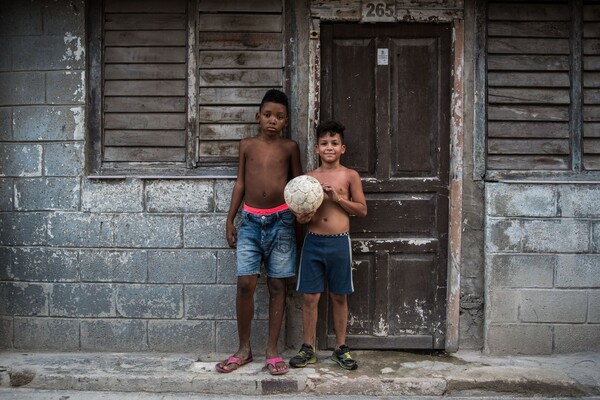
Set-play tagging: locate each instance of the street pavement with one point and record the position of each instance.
(388, 374)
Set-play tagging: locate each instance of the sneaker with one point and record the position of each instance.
(305, 356)
(343, 358)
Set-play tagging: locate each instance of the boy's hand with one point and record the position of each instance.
(304, 218)
(331, 192)
(231, 234)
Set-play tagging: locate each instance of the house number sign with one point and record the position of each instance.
(379, 11)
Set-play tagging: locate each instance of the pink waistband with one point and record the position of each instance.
(265, 211)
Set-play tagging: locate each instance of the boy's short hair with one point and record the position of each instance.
(332, 127)
(275, 96)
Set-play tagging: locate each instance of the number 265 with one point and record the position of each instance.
(380, 10)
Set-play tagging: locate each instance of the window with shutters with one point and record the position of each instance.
(175, 84)
(542, 98)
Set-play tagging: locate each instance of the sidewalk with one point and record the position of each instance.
(380, 373)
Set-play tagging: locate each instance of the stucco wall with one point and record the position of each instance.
(542, 268)
(107, 265)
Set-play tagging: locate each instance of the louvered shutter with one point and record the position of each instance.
(240, 47)
(528, 86)
(591, 86)
(144, 81)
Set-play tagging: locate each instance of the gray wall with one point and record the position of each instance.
(98, 265)
(542, 268)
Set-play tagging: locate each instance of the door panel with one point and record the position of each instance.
(397, 118)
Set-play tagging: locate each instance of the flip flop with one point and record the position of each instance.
(273, 363)
(238, 362)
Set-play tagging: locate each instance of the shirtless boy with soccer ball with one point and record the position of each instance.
(327, 253)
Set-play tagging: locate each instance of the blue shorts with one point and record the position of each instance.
(326, 257)
(268, 239)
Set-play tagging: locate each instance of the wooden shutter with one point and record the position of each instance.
(144, 77)
(528, 86)
(240, 46)
(591, 86)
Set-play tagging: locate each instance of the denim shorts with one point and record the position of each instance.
(268, 239)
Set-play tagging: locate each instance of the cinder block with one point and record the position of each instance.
(579, 201)
(150, 301)
(503, 306)
(113, 265)
(147, 230)
(20, 160)
(223, 190)
(21, 88)
(594, 306)
(20, 18)
(577, 338)
(226, 268)
(5, 50)
(113, 335)
(182, 336)
(521, 270)
(556, 236)
(112, 196)
(5, 121)
(503, 235)
(210, 302)
(65, 87)
(558, 306)
(578, 270)
(510, 339)
(510, 200)
(227, 336)
(44, 264)
(82, 300)
(5, 263)
(59, 334)
(182, 266)
(81, 230)
(23, 229)
(6, 194)
(6, 333)
(180, 196)
(48, 123)
(205, 231)
(49, 52)
(63, 159)
(25, 299)
(596, 236)
(65, 16)
(36, 194)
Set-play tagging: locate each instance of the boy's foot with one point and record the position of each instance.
(305, 356)
(343, 358)
(232, 363)
(276, 366)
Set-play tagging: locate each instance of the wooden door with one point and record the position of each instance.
(389, 84)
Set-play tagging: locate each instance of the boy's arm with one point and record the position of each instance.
(237, 195)
(357, 204)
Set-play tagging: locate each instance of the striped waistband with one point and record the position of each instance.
(334, 235)
(265, 211)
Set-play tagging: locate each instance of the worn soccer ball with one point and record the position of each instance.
(303, 194)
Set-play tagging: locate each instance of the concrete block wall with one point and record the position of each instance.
(542, 268)
(98, 265)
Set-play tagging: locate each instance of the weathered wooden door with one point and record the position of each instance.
(389, 84)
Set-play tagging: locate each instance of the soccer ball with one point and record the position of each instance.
(303, 194)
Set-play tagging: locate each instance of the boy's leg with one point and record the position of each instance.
(277, 294)
(341, 354)
(244, 305)
(310, 313)
(339, 303)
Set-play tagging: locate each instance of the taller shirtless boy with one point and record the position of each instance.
(267, 229)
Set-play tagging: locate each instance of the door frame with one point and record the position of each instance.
(351, 12)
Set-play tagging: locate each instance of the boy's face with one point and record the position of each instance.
(330, 147)
(272, 118)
